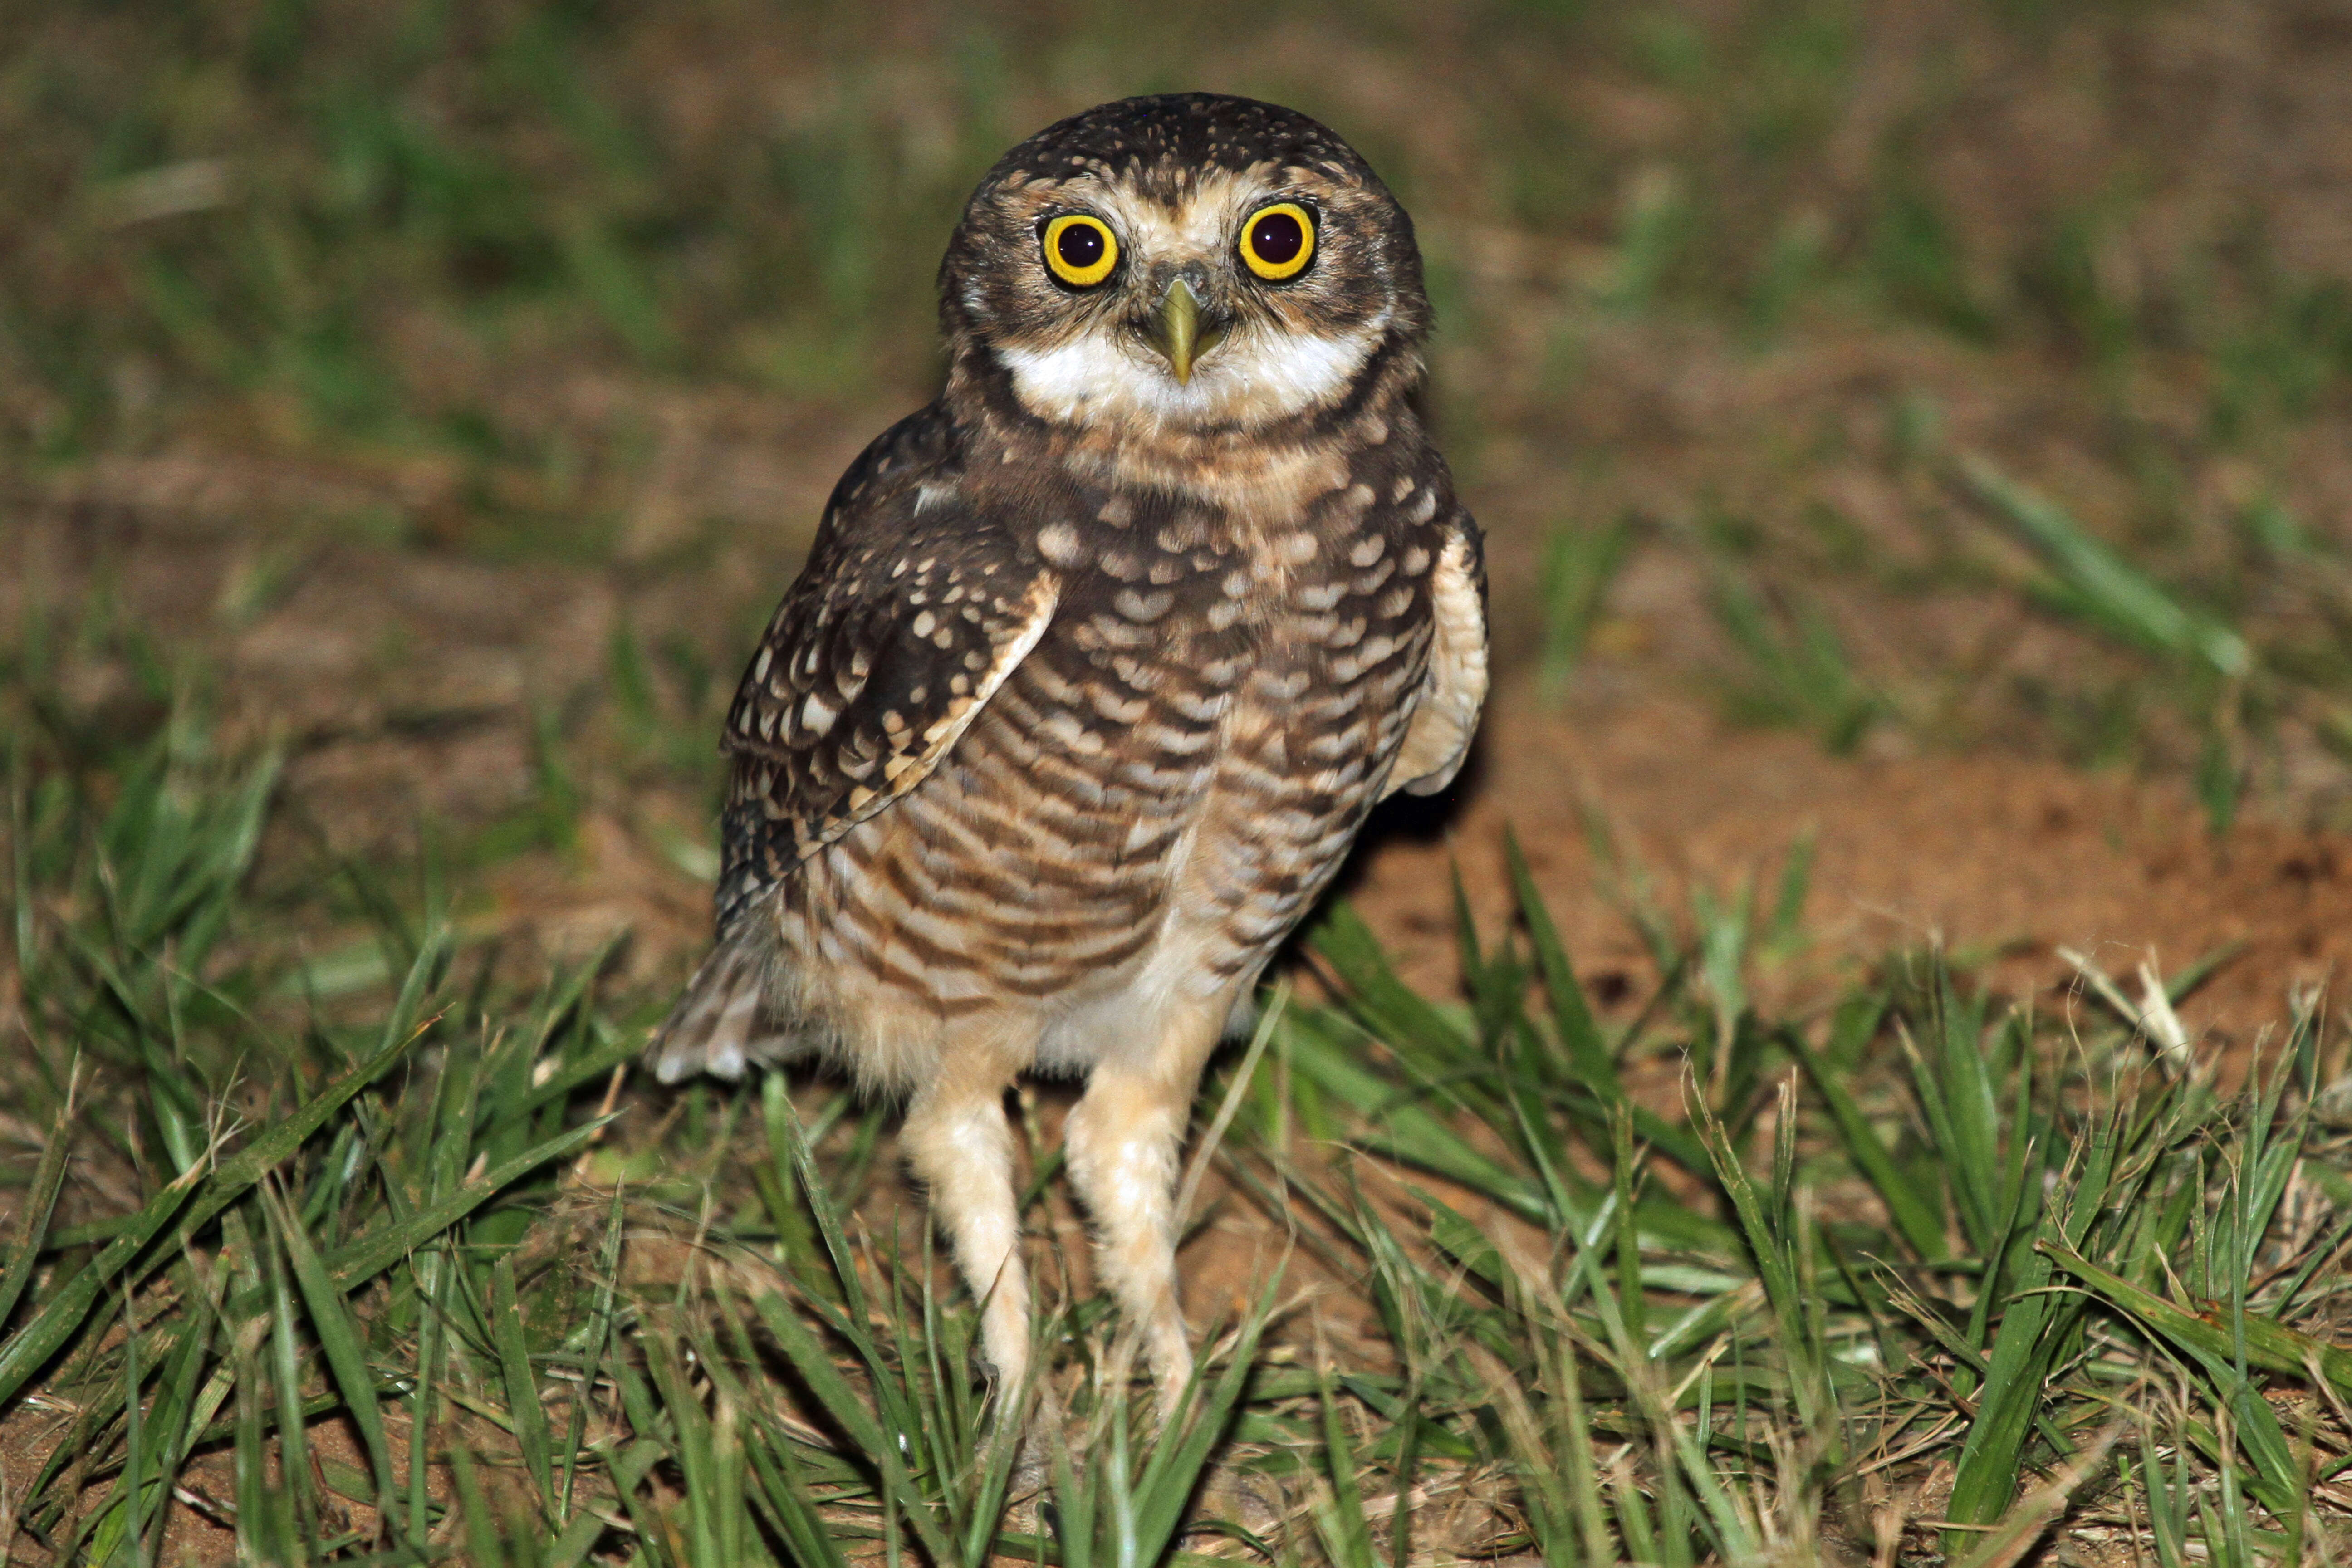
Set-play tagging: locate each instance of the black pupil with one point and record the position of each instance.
(1277, 238)
(1081, 246)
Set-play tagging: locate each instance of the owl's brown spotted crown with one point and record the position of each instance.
(1104, 277)
(1170, 134)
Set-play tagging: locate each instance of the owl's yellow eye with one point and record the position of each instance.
(1279, 241)
(1080, 250)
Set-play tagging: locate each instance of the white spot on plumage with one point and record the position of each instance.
(1144, 607)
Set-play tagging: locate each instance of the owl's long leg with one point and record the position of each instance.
(960, 1145)
(1123, 1140)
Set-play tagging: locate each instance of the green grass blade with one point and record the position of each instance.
(1409, 1130)
(431, 1273)
(1395, 1011)
(1173, 1471)
(1587, 1056)
(576, 1539)
(2166, 1503)
(1580, 1036)
(791, 1511)
(2269, 1344)
(2013, 1398)
(1073, 1513)
(521, 1384)
(65, 1313)
(696, 1448)
(2103, 586)
(286, 1382)
(1339, 1521)
(360, 1260)
(1915, 1216)
(40, 1203)
(179, 1411)
(486, 1545)
(825, 1380)
(1768, 1244)
(600, 1338)
(784, 1120)
(275, 1144)
(340, 1340)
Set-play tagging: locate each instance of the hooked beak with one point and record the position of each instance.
(1176, 331)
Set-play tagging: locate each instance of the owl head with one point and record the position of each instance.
(1189, 262)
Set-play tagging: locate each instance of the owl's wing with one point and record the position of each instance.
(914, 607)
(876, 662)
(1438, 740)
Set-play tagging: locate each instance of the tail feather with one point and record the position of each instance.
(724, 1021)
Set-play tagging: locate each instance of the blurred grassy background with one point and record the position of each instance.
(1727, 293)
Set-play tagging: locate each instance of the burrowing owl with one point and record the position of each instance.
(1096, 666)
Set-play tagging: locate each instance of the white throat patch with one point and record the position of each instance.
(1253, 378)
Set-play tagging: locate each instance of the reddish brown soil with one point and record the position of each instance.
(1990, 854)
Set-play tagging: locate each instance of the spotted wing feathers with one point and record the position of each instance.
(857, 694)
(912, 610)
